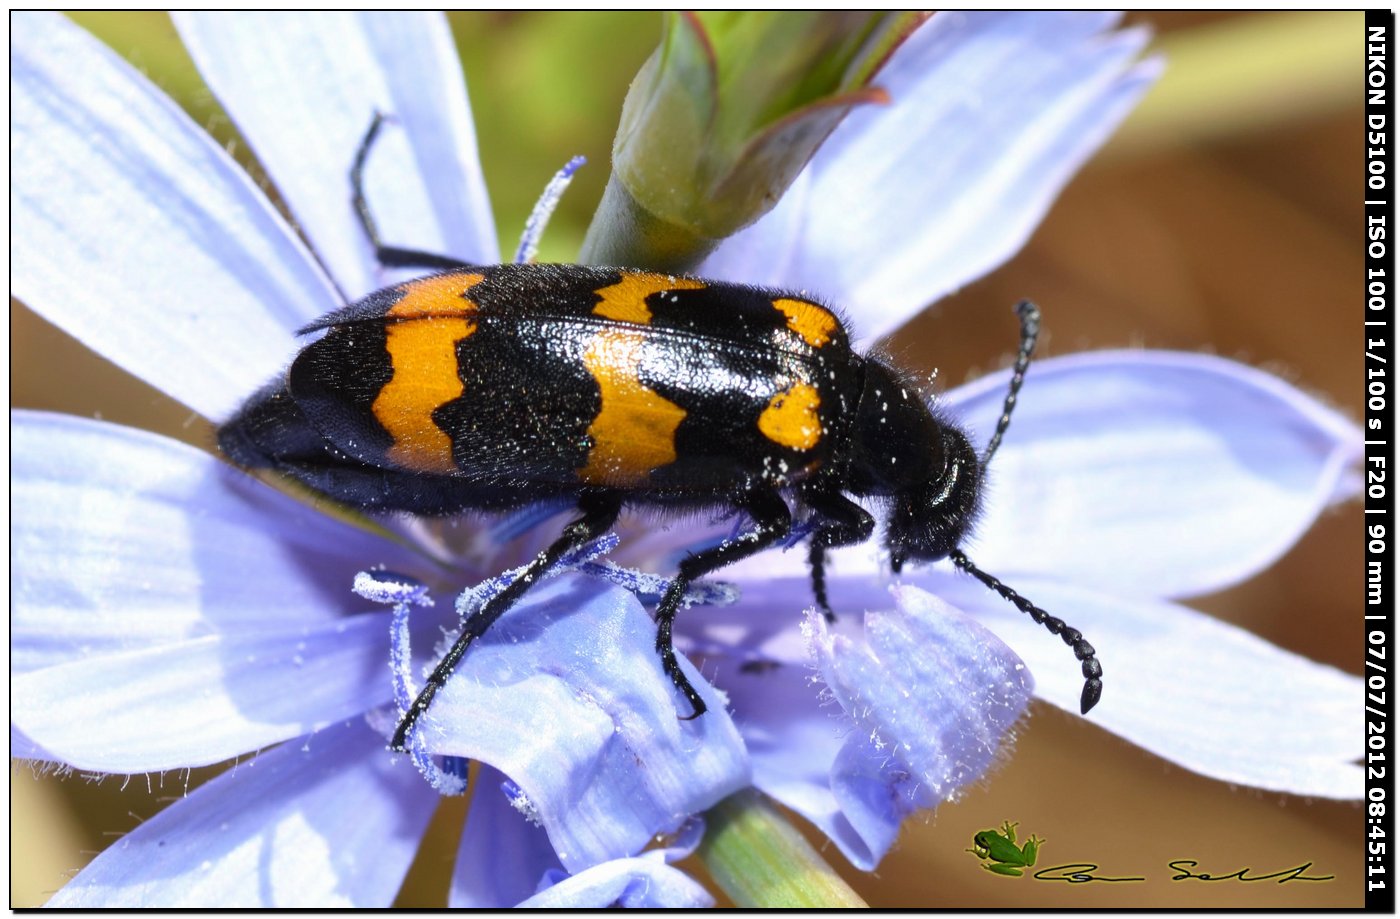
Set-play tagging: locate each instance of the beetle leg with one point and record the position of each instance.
(388, 256)
(772, 520)
(841, 522)
(599, 514)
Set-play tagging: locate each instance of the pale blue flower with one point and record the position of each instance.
(169, 611)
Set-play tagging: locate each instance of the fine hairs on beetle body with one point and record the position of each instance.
(489, 388)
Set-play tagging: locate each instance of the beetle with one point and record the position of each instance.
(490, 388)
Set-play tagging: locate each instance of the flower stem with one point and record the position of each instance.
(761, 860)
(625, 233)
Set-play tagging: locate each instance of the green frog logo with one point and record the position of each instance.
(999, 851)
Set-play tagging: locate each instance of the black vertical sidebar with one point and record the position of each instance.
(1379, 653)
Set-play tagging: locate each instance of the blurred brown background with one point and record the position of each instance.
(1225, 217)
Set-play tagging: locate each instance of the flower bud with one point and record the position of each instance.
(722, 118)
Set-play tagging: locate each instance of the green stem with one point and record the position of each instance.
(761, 860)
(623, 233)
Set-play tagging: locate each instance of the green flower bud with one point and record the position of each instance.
(722, 118)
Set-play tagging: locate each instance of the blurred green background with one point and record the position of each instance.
(1225, 216)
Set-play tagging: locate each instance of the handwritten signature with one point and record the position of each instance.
(1083, 873)
(1287, 874)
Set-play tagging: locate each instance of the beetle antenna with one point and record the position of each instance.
(1030, 331)
(1089, 663)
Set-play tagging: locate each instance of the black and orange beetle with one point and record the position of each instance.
(489, 388)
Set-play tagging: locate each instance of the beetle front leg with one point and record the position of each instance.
(841, 522)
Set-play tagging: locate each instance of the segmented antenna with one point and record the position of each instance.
(1089, 663)
(1030, 331)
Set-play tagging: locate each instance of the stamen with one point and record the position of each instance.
(544, 208)
(521, 802)
(473, 598)
(650, 588)
(404, 593)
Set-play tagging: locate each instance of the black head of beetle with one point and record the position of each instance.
(923, 463)
(901, 449)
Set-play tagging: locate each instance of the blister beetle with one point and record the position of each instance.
(494, 387)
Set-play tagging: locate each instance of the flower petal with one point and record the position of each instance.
(505, 860)
(329, 821)
(992, 114)
(631, 883)
(123, 540)
(566, 696)
(23, 747)
(765, 625)
(794, 739)
(503, 856)
(1203, 694)
(928, 697)
(303, 87)
(201, 701)
(1152, 473)
(933, 696)
(137, 234)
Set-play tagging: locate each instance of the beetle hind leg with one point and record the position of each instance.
(599, 513)
(388, 256)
